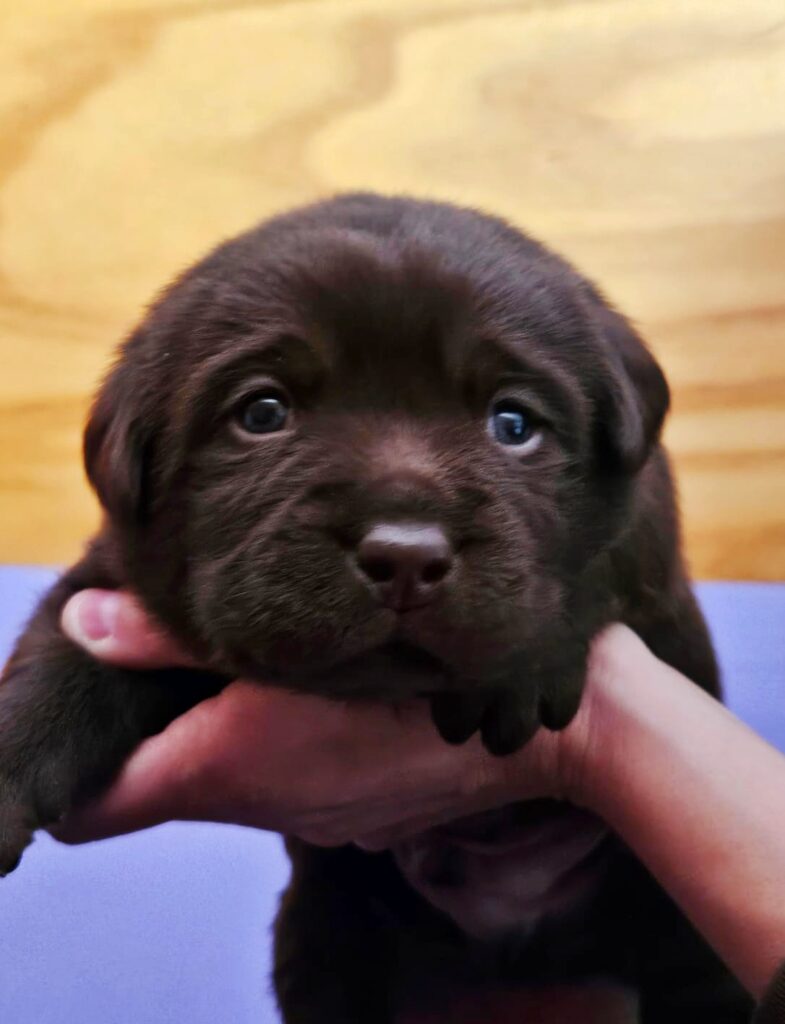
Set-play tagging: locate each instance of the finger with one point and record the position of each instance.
(222, 761)
(113, 627)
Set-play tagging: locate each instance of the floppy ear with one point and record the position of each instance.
(635, 396)
(117, 448)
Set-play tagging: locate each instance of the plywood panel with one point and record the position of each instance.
(643, 138)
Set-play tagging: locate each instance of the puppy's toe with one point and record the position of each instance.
(457, 716)
(25, 805)
(559, 705)
(508, 724)
(16, 834)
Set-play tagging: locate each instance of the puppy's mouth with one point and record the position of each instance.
(383, 657)
(392, 670)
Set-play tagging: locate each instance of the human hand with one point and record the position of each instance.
(322, 770)
(666, 766)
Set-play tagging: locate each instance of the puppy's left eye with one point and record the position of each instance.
(511, 424)
(265, 413)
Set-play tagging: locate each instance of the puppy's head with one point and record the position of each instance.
(372, 434)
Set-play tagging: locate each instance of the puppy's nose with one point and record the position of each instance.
(406, 563)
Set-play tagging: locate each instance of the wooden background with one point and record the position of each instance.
(643, 138)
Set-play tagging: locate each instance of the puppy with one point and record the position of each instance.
(382, 447)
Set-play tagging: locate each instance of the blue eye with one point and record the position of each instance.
(264, 414)
(510, 423)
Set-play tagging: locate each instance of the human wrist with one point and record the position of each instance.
(591, 758)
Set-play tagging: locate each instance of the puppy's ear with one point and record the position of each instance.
(117, 448)
(634, 398)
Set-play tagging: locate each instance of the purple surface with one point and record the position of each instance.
(172, 926)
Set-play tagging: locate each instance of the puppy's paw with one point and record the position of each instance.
(509, 722)
(506, 719)
(458, 716)
(25, 807)
(16, 830)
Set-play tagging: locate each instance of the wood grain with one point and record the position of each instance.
(643, 138)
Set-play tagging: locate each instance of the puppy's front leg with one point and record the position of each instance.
(68, 722)
(332, 964)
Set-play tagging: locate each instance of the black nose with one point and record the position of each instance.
(405, 562)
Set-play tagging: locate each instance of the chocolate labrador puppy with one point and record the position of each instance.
(382, 447)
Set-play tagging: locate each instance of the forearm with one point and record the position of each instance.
(696, 794)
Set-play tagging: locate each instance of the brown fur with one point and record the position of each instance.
(391, 325)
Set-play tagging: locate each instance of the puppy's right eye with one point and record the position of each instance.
(265, 413)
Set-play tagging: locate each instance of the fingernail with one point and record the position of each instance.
(90, 618)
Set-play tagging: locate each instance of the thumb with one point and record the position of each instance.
(115, 628)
